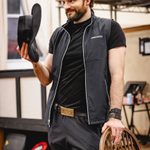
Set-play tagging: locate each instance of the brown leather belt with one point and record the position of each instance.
(68, 111)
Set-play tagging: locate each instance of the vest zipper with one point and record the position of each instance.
(83, 49)
(107, 90)
(58, 79)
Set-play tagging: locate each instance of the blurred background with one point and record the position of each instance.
(23, 99)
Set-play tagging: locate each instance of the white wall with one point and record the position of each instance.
(137, 69)
(137, 65)
(125, 19)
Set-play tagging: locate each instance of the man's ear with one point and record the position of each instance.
(88, 2)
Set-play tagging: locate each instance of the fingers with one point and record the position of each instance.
(117, 135)
(23, 52)
(113, 133)
(104, 127)
(116, 129)
(18, 50)
(118, 139)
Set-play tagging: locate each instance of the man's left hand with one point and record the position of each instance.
(116, 128)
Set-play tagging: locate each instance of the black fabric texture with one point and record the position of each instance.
(67, 133)
(71, 89)
(117, 37)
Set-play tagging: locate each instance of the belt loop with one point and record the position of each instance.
(56, 106)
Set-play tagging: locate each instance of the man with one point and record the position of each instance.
(86, 64)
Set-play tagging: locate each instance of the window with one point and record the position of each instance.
(13, 13)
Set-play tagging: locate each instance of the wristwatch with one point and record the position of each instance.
(115, 113)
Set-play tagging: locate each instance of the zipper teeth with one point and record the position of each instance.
(58, 79)
(85, 73)
(107, 90)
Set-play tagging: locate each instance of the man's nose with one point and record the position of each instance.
(66, 5)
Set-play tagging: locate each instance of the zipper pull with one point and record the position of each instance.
(49, 122)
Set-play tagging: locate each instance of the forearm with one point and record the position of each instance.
(42, 73)
(116, 67)
(116, 91)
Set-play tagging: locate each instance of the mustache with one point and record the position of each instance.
(68, 10)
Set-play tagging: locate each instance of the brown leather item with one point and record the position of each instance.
(66, 111)
(69, 112)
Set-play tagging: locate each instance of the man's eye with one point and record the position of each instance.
(71, 1)
(62, 2)
(67, 1)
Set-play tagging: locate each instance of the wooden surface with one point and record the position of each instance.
(135, 29)
(128, 141)
(1, 139)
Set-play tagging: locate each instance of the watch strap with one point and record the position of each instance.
(115, 113)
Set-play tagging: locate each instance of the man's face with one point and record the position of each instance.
(75, 9)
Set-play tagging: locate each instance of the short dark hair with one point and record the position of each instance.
(91, 3)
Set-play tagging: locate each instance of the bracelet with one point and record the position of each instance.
(115, 113)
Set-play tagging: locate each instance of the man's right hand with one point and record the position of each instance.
(23, 52)
(28, 53)
(41, 70)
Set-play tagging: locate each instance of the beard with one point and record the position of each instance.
(75, 15)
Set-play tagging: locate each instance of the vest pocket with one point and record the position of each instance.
(96, 48)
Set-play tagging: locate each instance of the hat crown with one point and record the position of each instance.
(28, 26)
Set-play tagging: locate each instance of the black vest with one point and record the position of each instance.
(97, 76)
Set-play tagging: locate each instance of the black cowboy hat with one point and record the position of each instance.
(28, 27)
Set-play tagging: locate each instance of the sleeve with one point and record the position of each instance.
(117, 36)
(51, 45)
(53, 40)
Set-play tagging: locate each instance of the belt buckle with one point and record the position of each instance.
(66, 111)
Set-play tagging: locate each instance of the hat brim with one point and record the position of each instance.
(36, 20)
(28, 26)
